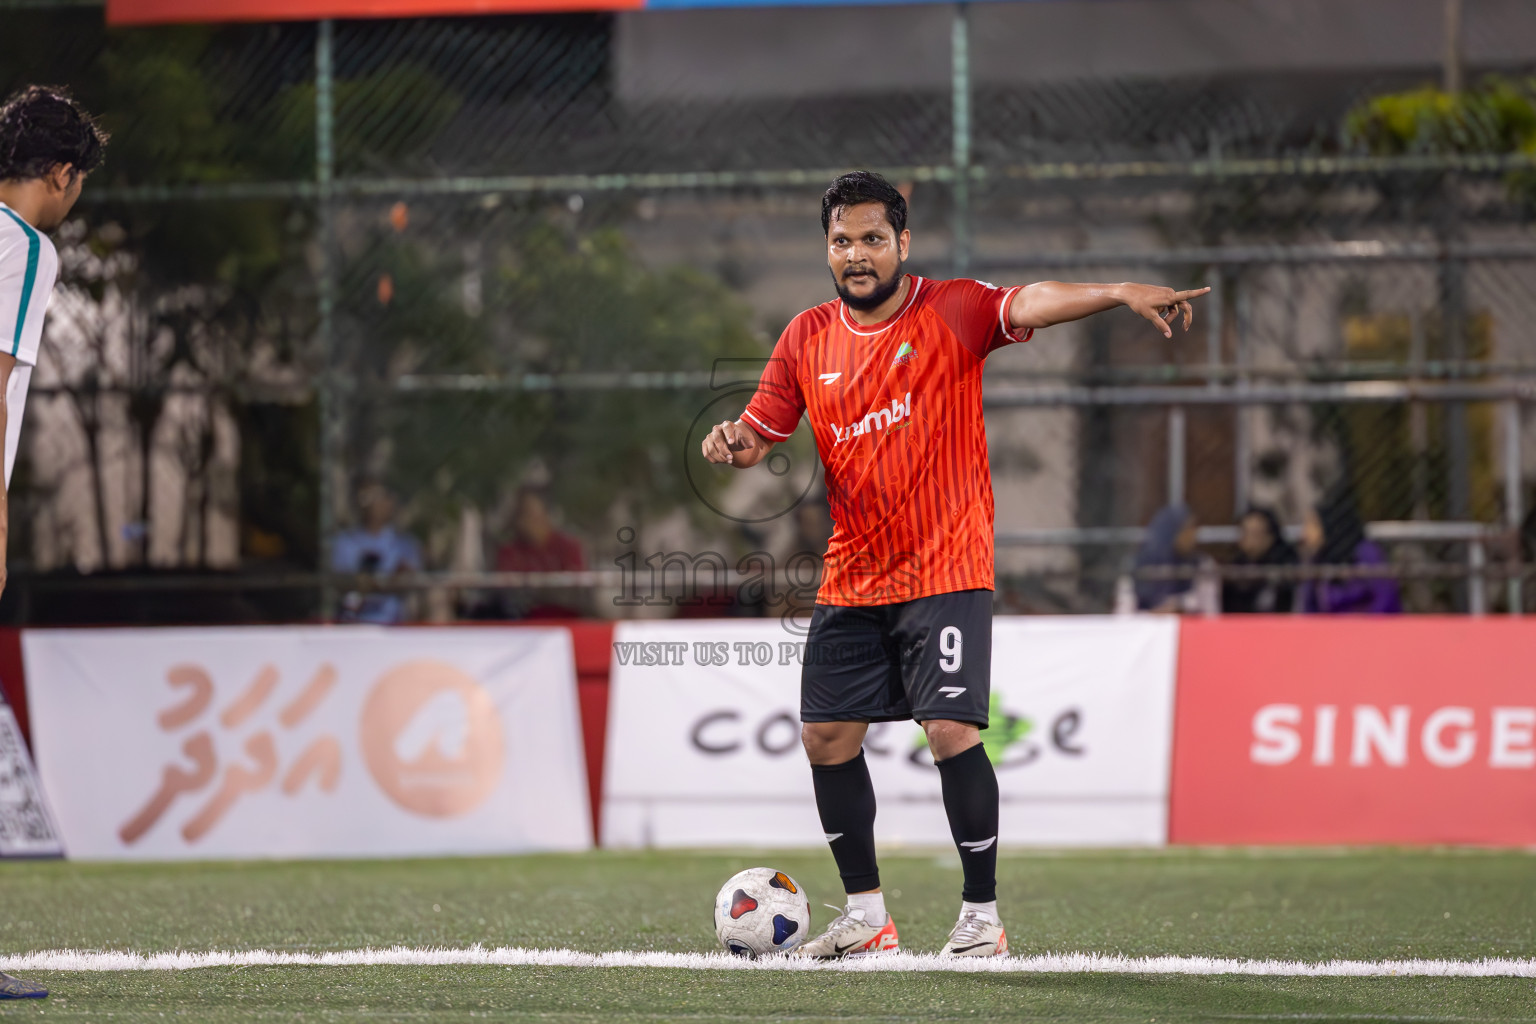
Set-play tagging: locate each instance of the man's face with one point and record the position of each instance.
(532, 519)
(1188, 539)
(378, 508)
(865, 255)
(64, 188)
(1312, 536)
(1256, 537)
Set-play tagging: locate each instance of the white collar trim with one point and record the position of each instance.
(842, 311)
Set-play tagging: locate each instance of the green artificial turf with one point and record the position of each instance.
(1308, 905)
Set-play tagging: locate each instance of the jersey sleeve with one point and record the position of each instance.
(775, 410)
(27, 272)
(978, 313)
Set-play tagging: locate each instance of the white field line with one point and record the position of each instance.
(513, 956)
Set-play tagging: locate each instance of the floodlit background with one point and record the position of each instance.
(460, 256)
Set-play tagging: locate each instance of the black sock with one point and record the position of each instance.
(845, 798)
(970, 800)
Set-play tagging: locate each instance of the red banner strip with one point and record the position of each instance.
(162, 12)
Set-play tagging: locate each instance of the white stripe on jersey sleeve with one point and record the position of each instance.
(1002, 316)
(21, 330)
(759, 422)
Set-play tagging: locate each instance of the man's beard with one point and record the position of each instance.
(875, 299)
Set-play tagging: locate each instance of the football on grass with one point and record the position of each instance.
(761, 911)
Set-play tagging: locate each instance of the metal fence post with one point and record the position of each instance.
(1455, 349)
(1418, 419)
(960, 60)
(1243, 442)
(1451, 73)
(325, 169)
(1514, 498)
(1213, 304)
(1176, 455)
(1477, 586)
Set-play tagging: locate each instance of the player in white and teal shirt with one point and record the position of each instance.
(29, 265)
(48, 145)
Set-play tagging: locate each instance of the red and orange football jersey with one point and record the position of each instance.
(896, 409)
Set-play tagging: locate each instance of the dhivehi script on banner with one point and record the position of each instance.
(308, 742)
(704, 737)
(26, 827)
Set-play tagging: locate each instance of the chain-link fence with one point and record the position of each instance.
(476, 287)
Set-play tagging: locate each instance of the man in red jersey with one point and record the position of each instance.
(890, 375)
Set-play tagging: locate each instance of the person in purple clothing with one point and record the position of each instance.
(1334, 535)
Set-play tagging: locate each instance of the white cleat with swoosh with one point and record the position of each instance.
(975, 935)
(848, 936)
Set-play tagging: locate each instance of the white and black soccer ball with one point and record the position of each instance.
(761, 911)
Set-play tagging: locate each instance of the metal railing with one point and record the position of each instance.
(1475, 570)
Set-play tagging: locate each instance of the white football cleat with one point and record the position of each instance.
(850, 936)
(975, 935)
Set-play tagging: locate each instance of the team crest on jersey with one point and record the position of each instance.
(904, 354)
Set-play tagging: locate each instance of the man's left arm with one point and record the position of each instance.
(1046, 303)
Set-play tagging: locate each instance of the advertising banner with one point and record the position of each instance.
(704, 737)
(308, 742)
(26, 827)
(1352, 730)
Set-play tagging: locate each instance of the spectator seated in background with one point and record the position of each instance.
(1334, 535)
(1171, 542)
(1262, 542)
(537, 546)
(375, 547)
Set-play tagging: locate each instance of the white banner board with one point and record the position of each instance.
(26, 827)
(350, 741)
(704, 746)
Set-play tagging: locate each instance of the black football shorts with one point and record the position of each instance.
(925, 659)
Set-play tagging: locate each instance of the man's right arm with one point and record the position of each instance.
(736, 444)
(774, 410)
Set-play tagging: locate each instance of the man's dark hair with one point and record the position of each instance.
(864, 187)
(42, 127)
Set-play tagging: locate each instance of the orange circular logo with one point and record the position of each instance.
(432, 739)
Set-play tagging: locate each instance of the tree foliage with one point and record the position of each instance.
(572, 304)
(1497, 116)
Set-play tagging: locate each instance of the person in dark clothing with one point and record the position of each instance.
(1262, 543)
(1170, 543)
(1334, 535)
